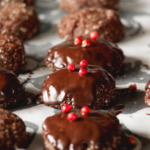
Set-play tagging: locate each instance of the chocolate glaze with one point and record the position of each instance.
(10, 88)
(95, 89)
(95, 130)
(103, 54)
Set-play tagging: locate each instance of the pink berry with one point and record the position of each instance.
(71, 67)
(132, 140)
(82, 72)
(66, 108)
(83, 63)
(85, 110)
(93, 35)
(86, 43)
(133, 87)
(72, 116)
(78, 40)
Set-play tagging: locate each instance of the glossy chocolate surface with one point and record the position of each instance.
(65, 86)
(97, 130)
(101, 53)
(10, 88)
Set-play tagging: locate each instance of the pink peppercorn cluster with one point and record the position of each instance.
(71, 116)
(82, 71)
(86, 42)
(133, 87)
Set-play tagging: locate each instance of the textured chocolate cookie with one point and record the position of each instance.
(19, 20)
(95, 131)
(95, 89)
(10, 89)
(12, 131)
(99, 52)
(147, 95)
(105, 21)
(72, 6)
(28, 2)
(12, 54)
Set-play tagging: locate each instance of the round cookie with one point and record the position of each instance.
(105, 21)
(75, 5)
(28, 2)
(147, 95)
(101, 53)
(12, 54)
(95, 89)
(10, 89)
(95, 131)
(19, 20)
(12, 131)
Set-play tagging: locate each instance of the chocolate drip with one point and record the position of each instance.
(93, 131)
(103, 54)
(95, 89)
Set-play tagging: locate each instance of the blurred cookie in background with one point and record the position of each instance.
(19, 20)
(28, 2)
(12, 131)
(12, 53)
(104, 21)
(72, 6)
(147, 94)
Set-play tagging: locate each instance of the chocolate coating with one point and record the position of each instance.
(10, 89)
(81, 23)
(19, 20)
(100, 53)
(12, 54)
(96, 89)
(12, 131)
(95, 131)
(75, 5)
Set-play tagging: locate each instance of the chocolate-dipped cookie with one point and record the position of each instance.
(98, 52)
(28, 2)
(10, 89)
(19, 20)
(12, 54)
(75, 5)
(12, 131)
(105, 21)
(91, 86)
(93, 131)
